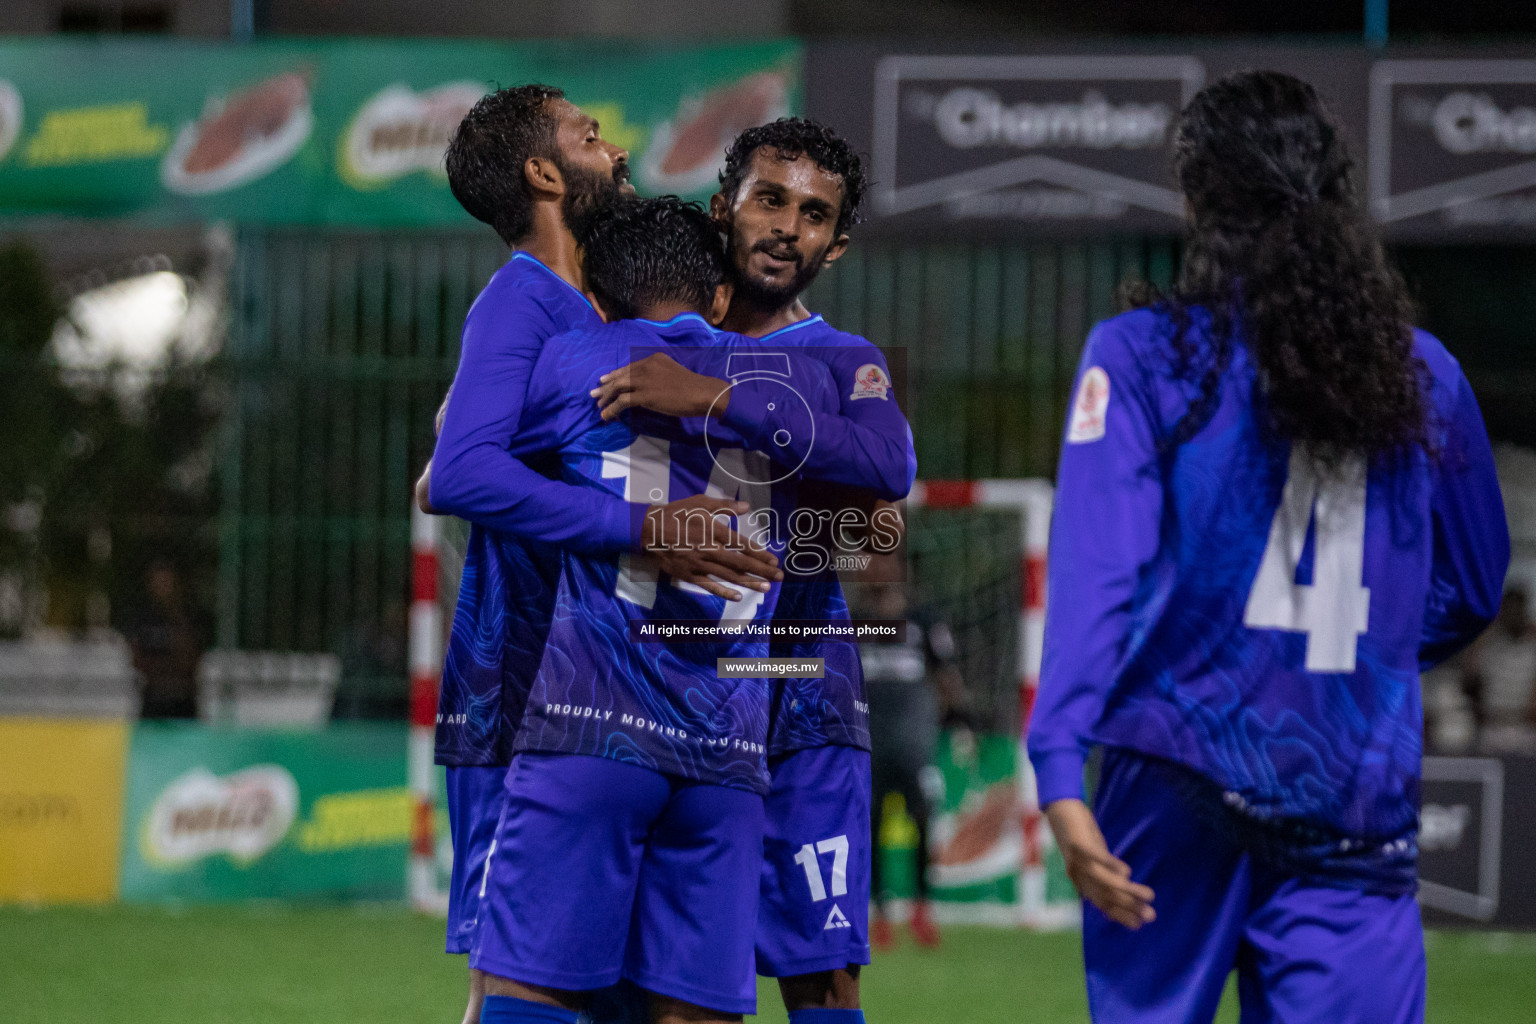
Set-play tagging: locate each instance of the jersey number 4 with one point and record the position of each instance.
(1334, 608)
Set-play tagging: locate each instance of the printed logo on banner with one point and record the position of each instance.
(1028, 138)
(687, 150)
(869, 381)
(10, 117)
(240, 137)
(1454, 141)
(244, 815)
(399, 131)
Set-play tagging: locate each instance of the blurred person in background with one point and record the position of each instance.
(914, 688)
(1498, 673)
(162, 633)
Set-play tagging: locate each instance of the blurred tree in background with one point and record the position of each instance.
(104, 472)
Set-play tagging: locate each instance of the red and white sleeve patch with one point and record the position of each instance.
(1090, 407)
(871, 382)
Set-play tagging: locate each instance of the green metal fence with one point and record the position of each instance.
(344, 343)
(991, 336)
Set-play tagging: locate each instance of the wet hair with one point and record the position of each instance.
(791, 138)
(1282, 253)
(645, 252)
(485, 158)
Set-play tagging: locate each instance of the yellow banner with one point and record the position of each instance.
(61, 809)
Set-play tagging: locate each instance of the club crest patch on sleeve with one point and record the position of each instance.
(871, 382)
(1089, 407)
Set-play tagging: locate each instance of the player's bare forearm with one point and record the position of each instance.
(424, 490)
(424, 482)
(692, 545)
(663, 385)
(1101, 878)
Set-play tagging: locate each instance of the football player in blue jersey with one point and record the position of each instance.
(1276, 506)
(630, 841)
(536, 168)
(789, 192)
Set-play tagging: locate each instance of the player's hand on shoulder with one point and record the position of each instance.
(1101, 878)
(661, 384)
(692, 543)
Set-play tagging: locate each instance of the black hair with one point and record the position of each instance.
(485, 158)
(644, 252)
(791, 138)
(1281, 248)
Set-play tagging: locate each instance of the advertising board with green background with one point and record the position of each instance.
(343, 132)
(977, 839)
(216, 815)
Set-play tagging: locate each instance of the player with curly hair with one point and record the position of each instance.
(1277, 505)
(789, 192)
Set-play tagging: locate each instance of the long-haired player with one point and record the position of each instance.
(1277, 504)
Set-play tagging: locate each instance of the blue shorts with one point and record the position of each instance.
(1303, 951)
(474, 804)
(814, 914)
(605, 870)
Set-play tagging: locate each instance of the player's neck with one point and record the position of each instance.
(662, 312)
(551, 243)
(749, 318)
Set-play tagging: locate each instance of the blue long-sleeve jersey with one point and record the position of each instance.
(602, 689)
(1224, 605)
(519, 518)
(868, 444)
(507, 588)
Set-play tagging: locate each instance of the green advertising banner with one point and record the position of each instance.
(342, 131)
(216, 815)
(977, 841)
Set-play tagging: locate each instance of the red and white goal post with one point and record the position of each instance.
(427, 633)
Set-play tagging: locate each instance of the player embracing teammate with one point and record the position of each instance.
(789, 192)
(537, 597)
(1278, 506)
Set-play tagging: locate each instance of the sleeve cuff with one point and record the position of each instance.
(1058, 774)
(746, 412)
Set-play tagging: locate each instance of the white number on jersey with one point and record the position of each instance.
(646, 469)
(1333, 610)
(806, 858)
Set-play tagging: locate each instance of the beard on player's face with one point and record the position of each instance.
(773, 291)
(589, 194)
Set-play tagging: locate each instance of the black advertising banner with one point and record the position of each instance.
(1046, 139)
(986, 137)
(1477, 835)
(1453, 147)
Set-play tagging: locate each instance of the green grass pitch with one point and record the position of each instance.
(342, 965)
